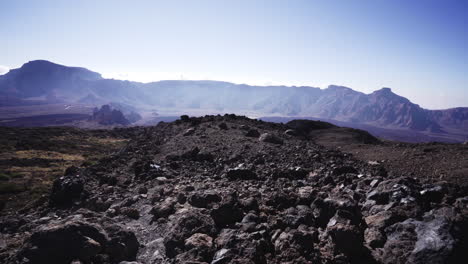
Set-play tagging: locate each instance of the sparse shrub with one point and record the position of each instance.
(9, 187)
(16, 175)
(4, 177)
(88, 163)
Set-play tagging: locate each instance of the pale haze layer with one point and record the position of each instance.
(418, 48)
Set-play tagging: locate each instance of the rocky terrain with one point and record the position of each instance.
(228, 189)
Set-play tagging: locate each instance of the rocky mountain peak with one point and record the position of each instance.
(338, 87)
(40, 63)
(385, 91)
(387, 95)
(106, 115)
(47, 69)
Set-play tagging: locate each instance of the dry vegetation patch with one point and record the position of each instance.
(31, 158)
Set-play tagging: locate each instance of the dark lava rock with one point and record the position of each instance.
(344, 169)
(427, 241)
(223, 126)
(281, 200)
(130, 212)
(204, 200)
(348, 238)
(64, 242)
(189, 132)
(146, 169)
(164, 209)
(290, 132)
(241, 174)
(72, 170)
(434, 194)
(296, 246)
(252, 133)
(374, 235)
(194, 154)
(228, 212)
(291, 173)
(241, 247)
(122, 244)
(199, 240)
(74, 239)
(65, 190)
(187, 223)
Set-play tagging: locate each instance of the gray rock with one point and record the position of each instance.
(189, 131)
(199, 240)
(427, 241)
(290, 132)
(270, 138)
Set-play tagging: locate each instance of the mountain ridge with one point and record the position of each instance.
(383, 108)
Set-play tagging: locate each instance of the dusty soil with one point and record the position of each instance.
(427, 161)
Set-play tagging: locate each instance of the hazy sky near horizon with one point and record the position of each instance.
(418, 47)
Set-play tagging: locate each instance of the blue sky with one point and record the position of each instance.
(418, 48)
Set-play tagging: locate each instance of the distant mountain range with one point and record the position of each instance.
(43, 82)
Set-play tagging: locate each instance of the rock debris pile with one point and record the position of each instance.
(228, 189)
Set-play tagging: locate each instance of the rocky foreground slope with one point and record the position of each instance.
(234, 190)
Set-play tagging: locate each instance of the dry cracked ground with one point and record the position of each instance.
(228, 189)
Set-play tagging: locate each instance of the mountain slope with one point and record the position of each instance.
(43, 78)
(49, 82)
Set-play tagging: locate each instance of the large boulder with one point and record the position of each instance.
(227, 212)
(270, 138)
(184, 224)
(429, 240)
(71, 239)
(204, 199)
(347, 237)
